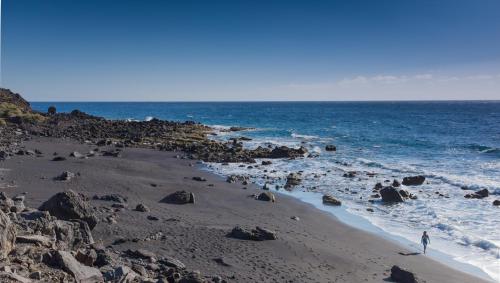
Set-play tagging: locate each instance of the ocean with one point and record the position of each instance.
(453, 144)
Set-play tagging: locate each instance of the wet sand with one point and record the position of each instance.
(316, 248)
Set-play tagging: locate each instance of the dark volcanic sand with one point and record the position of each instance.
(317, 248)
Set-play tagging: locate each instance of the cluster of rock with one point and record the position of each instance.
(54, 244)
(479, 194)
(188, 137)
(391, 193)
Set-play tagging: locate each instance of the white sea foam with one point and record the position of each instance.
(304, 137)
(464, 229)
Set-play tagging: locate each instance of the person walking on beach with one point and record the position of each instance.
(425, 240)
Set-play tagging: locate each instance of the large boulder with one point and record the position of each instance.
(257, 234)
(70, 205)
(391, 194)
(179, 197)
(402, 276)
(413, 180)
(71, 234)
(7, 235)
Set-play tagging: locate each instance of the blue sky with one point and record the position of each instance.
(251, 50)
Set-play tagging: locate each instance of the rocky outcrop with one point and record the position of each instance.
(7, 96)
(390, 194)
(413, 181)
(70, 205)
(479, 194)
(329, 200)
(48, 249)
(402, 276)
(7, 235)
(179, 197)
(257, 234)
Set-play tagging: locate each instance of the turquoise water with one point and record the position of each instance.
(453, 144)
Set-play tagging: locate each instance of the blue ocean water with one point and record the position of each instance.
(454, 144)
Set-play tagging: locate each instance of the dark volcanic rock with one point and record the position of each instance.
(404, 194)
(479, 194)
(59, 158)
(329, 200)
(330, 147)
(390, 194)
(413, 181)
(483, 193)
(266, 196)
(496, 202)
(402, 276)
(70, 205)
(179, 197)
(52, 110)
(257, 234)
(142, 208)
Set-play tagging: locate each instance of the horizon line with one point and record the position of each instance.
(255, 101)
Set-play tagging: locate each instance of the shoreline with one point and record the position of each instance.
(306, 250)
(363, 224)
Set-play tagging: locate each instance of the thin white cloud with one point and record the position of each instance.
(389, 80)
(424, 77)
(422, 86)
(480, 77)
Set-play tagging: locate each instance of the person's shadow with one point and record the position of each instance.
(407, 254)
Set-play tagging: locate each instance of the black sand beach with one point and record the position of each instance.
(315, 248)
